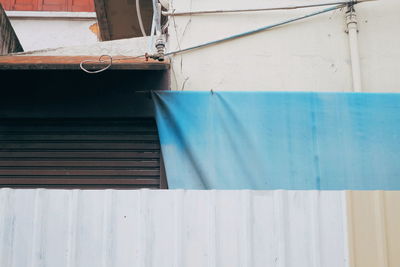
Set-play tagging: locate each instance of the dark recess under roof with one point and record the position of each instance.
(118, 18)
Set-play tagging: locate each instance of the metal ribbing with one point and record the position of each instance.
(83, 153)
(174, 228)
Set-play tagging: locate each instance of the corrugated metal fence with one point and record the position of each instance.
(172, 228)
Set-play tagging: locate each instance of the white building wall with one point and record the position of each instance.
(172, 228)
(309, 55)
(123, 47)
(42, 30)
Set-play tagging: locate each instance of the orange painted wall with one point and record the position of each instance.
(49, 5)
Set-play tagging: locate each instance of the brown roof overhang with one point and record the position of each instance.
(73, 63)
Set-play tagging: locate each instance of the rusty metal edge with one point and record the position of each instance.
(119, 66)
(12, 43)
(102, 20)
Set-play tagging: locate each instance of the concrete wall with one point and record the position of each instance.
(124, 47)
(309, 55)
(41, 30)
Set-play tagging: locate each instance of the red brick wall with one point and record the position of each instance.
(49, 5)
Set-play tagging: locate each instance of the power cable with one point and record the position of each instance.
(202, 12)
(100, 60)
(229, 38)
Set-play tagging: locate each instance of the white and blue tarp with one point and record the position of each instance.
(280, 140)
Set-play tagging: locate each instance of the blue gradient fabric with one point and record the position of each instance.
(280, 140)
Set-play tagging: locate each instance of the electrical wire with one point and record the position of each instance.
(139, 16)
(232, 37)
(174, 13)
(100, 60)
(236, 36)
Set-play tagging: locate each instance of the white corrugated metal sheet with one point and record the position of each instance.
(177, 228)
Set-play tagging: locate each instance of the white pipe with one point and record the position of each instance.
(139, 16)
(352, 29)
(150, 42)
(158, 20)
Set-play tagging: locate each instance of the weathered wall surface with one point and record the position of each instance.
(124, 47)
(380, 45)
(36, 32)
(309, 55)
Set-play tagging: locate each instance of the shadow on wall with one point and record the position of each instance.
(53, 93)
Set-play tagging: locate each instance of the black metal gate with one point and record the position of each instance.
(80, 153)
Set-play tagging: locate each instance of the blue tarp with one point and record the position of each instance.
(271, 140)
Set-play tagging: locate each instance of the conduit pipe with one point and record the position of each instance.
(153, 27)
(139, 16)
(160, 43)
(352, 30)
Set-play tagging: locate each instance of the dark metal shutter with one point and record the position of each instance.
(80, 153)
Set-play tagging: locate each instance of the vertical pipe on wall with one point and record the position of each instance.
(381, 228)
(139, 16)
(160, 43)
(352, 30)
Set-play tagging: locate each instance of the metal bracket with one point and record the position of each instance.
(351, 17)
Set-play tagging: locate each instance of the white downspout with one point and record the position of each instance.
(352, 30)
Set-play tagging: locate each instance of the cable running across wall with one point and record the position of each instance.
(229, 38)
(100, 60)
(202, 12)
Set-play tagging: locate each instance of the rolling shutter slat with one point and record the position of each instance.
(17, 136)
(79, 164)
(80, 145)
(80, 153)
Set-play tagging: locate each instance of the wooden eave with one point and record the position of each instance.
(73, 63)
(118, 19)
(9, 42)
